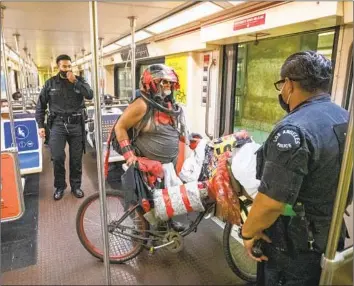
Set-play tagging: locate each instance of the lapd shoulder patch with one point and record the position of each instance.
(287, 138)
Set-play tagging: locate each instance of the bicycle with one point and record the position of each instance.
(135, 233)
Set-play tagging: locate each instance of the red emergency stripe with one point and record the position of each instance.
(166, 197)
(185, 198)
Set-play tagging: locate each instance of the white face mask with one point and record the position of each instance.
(167, 92)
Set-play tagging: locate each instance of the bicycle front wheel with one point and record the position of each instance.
(236, 255)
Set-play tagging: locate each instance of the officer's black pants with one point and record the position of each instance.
(281, 269)
(58, 138)
(47, 134)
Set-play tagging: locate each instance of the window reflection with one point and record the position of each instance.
(258, 67)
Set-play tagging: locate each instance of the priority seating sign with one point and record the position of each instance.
(25, 133)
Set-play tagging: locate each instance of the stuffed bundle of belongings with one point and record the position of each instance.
(216, 170)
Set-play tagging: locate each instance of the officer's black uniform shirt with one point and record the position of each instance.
(300, 161)
(63, 97)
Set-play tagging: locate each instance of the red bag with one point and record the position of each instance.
(220, 190)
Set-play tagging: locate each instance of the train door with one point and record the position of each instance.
(252, 68)
(337, 267)
(122, 76)
(348, 98)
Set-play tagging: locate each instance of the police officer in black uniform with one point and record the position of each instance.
(298, 165)
(65, 95)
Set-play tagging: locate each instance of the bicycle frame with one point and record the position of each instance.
(156, 235)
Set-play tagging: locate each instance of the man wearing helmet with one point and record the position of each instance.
(155, 119)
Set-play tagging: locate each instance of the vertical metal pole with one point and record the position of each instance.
(25, 63)
(132, 26)
(101, 70)
(22, 79)
(31, 75)
(6, 71)
(98, 137)
(75, 59)
(83, 63)
(51, 66)
(339, 206)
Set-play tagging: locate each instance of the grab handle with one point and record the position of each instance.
(207, 105)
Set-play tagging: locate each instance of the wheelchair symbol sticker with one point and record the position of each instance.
(22, 132)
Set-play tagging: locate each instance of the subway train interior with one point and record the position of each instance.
(227, 55)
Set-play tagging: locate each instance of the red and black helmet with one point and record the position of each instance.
(154, 74)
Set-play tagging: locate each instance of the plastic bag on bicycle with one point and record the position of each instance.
(178, 200)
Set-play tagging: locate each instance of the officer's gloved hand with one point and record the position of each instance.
(194, 139)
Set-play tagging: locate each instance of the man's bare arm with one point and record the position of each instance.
(130, 118)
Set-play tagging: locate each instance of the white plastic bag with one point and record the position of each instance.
(177, 200)
(170, 176)
(192, 166)
(244, 168)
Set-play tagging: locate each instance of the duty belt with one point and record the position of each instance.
(72, 118)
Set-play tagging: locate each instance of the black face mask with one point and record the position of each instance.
(283, 104)
(63, 74)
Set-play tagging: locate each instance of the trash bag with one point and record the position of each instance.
(244, 168)
(170, 176)
(192, 166)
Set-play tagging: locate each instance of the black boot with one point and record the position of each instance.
(59, 193)
(78, 193)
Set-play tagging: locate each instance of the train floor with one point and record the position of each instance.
(42, 248)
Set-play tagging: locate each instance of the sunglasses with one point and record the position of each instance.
(165, 82)
(279, 84)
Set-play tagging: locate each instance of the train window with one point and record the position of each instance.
(124, 82)
(88, 76)
(142, 68)
(16, 76)
(258, 65)
(12, 81)
(349, 93)
(3, 85)
(349, 96)
(122, 76)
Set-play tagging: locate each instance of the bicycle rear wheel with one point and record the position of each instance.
(88, 228)
(236, 255)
